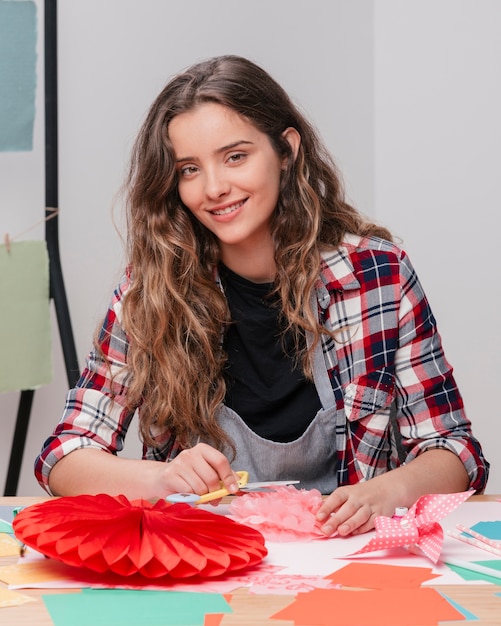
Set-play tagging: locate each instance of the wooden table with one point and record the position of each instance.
(253, 610)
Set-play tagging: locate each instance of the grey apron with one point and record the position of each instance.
(311, 458)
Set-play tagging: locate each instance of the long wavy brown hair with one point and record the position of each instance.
(174, 313)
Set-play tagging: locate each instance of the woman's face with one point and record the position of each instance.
(228, 177)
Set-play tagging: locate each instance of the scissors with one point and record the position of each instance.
(243, 486)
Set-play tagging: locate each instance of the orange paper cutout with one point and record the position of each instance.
(380, 576)
(382, 607)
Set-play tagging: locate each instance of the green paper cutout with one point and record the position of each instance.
(6, 528)
(467, 574)
(124, 607)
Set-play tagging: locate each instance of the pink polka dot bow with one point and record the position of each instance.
(418, 529)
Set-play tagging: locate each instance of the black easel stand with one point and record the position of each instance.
(56, 283)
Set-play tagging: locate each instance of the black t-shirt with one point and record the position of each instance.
(271, 395)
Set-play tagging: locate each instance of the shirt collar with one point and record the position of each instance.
(336, 274)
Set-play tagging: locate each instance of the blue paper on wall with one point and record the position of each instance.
(18, 39)
(25, 328)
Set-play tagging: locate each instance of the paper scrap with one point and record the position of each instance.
(214, 619)
(13, 598)
(288, 584)
(39, 574)
(8, 545)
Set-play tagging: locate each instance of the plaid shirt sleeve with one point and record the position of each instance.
(430, 408)
(95, 414)
(389, 352)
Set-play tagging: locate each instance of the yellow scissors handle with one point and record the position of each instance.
(243, 479)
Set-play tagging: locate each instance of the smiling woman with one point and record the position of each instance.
(262, 324)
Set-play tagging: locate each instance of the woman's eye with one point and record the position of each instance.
(235, 158)
(188, 170)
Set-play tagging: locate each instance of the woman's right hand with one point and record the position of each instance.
(199, 470)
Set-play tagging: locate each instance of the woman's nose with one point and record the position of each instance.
(216, 184)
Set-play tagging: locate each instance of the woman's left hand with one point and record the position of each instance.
(352, 509)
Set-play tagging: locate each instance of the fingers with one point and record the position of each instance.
(221, 468)
(344, 513)
(199, 470)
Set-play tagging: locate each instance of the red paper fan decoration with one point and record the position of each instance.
(112, 534)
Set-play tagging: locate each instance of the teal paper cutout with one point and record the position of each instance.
(467, 614)
(492, 530)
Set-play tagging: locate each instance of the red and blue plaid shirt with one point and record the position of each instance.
(386, 351)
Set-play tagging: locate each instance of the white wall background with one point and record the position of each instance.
(437, 137)
(404, 94)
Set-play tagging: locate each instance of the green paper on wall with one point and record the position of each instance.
(25, 329)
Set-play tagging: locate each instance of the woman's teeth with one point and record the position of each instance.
(228, 209)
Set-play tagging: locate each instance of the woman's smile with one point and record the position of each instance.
(227, 210)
